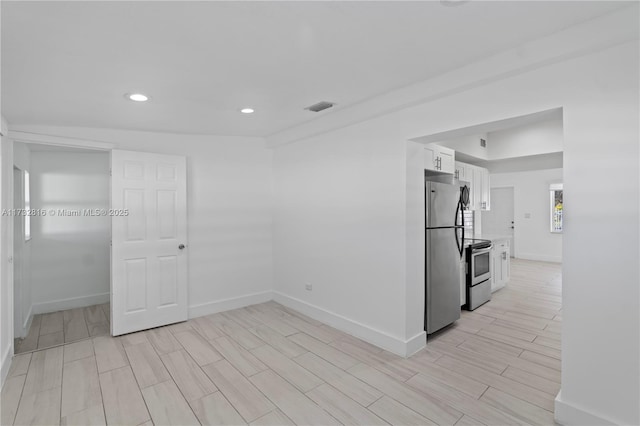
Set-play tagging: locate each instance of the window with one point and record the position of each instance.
(556, 207)
(27, 207)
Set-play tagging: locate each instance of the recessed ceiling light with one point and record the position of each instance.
(137, 97)
(247, 110)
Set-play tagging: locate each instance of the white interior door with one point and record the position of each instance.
(149, 239)
(500, 219)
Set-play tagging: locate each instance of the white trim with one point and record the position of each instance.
(42, 139)
(569, 414)
(4, 126)
(228, 304)
(71, 303)
(6, 364)
(416, 343)
(361, 331)
(538, 257)
(7, 279)
(27, 323)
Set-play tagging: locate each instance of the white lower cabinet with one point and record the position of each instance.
(501, 263)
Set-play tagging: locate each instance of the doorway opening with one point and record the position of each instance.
(61, 245)
(500, 219)
(506, 168)
(510, 166)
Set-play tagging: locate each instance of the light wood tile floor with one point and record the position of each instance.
(58, 328)
(267, 364)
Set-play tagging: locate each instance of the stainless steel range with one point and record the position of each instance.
(478, 256)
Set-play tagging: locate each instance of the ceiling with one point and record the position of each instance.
(70, 63)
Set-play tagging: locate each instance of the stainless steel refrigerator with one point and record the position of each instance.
(444, 246)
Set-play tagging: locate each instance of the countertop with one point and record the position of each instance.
(492, 237)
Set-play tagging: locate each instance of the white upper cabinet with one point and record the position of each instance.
(463, 172)
(481, 188)
(439, 158)
(478, 179)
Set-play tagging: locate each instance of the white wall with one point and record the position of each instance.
(532, 239)
(229, 210)
(22, 258)
(339, 225)
(69, 254)
(469, 145)
(532, 139)
(542, 137)
(362, 171)
(341, 221)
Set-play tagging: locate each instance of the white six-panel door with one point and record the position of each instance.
(149, 239)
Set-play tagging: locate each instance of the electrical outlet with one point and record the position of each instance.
(308, 286)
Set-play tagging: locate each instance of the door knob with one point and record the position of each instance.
(181, 246)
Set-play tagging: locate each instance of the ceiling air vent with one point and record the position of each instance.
(320, 106)
(483, 143)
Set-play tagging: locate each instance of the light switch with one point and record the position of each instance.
(527, 215)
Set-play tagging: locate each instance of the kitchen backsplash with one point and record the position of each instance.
(467, 219)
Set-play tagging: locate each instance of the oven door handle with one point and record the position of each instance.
(481, 251)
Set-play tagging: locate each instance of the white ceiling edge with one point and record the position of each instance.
(52, 149)
(102, 137)
(507, 123)
(552, 160)
(50, 139)
(597, 34)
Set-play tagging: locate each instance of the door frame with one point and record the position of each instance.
(8, 162)
(513, 236)
(17, 295)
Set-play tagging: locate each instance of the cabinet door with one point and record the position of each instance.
(469, 171)
(481, 189)
(506, 263)
(459, 171)
(486, 190)
(446, 160)
(477, 188)
(429, 157)
(494, 259)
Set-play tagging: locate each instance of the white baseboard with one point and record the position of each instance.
(356, 329)
(416, 343)
(228, 304)
(568, 414)
(72, 303)
(539, 257)
(6, 364)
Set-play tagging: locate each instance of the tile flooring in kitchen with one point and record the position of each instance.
(266, 365)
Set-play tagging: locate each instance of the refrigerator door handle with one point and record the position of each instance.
(459, 243)
(455, 231)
